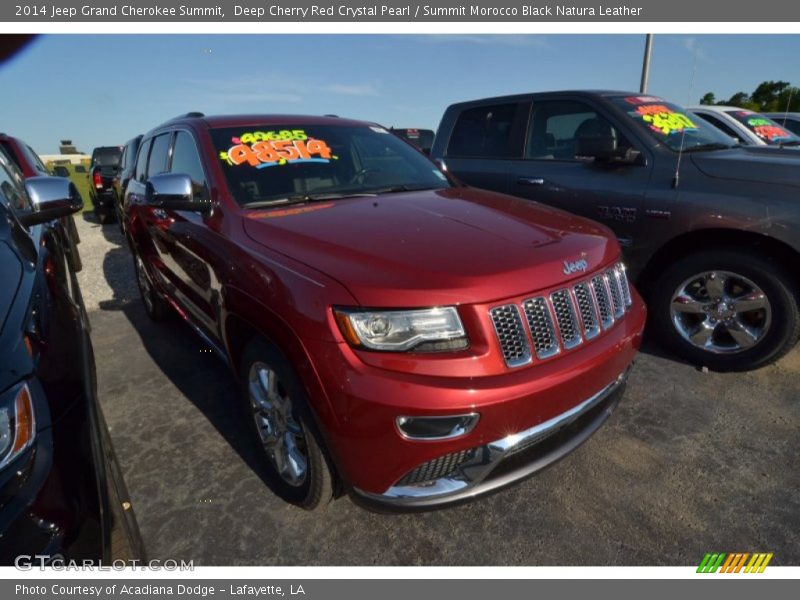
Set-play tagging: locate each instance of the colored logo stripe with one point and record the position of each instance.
(734, 562)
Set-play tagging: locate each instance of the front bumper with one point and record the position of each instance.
(504, 461)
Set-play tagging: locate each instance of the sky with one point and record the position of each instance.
(104, 89)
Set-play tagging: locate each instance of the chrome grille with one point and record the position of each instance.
(510, 332)
(564, 319)
(616, 293)
(603, 303)
(622, 276)
(541, 327)
(586, 307)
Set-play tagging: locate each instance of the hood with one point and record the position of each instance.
(761, 164)
(430, 248)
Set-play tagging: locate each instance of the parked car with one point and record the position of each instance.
(120, 181)
(789, 120)
(60, 491)
(746, 126)
(417, 341)
(60, 171)
(29, 163)
(419, 138)
(102, 170)
(711, 232)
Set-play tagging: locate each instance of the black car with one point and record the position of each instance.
(60, 490)
(103, 169)
(710, 230)
(124, 174)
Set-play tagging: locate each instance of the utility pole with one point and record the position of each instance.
(648, 51)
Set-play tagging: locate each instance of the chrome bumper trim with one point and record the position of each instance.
(470, 479)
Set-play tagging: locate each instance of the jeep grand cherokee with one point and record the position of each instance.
(418, 341)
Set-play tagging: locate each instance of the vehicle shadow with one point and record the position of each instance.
(190, 368)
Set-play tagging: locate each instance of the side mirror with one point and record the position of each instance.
(603, 148)
(52, 198)
(174, 191)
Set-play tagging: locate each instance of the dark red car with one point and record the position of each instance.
(418, 341)
(29, 163)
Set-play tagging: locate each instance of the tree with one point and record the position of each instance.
(708, 98)
(769, 96)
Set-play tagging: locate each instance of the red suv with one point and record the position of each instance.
(414, 340)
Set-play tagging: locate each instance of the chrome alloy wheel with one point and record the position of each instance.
(144, 285)
(721, 312)
(280, 433)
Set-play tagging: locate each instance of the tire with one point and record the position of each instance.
(154, 305)
(288, 427)
(726, 309)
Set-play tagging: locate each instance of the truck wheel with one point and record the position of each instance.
(727, 309)
(284, 428)
(155, 306)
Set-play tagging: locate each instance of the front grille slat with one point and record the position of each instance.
(540, 323)
(562, 320)
(511, 334)
(588, 310)
(566, 318)
(437, 468)
(616, 293)
(603, 302)
(625, 285)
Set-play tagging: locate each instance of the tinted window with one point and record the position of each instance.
(158, 155)
(486, 132)
(106, 157)
(141, 161)
(556, 126)
(186, 160)
(792, 125)
(270, 164)
(12, 187)
(717, 122)
(34, 158)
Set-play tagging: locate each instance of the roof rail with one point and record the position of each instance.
(189, 115)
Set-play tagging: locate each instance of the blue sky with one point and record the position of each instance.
(103, 90)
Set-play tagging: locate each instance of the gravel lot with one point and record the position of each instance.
(691, 462)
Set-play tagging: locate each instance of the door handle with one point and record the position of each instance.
(531, 181)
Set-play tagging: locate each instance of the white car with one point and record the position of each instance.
(747, 127)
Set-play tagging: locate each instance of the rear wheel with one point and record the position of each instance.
(726, 309)
(155, 306)
(284, 429)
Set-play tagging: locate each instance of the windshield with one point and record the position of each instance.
(295, 162)
(106, 157)
(672, 125)
(764, 127)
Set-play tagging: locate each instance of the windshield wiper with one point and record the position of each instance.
(398, 189)
(710, 146)
(303, 198)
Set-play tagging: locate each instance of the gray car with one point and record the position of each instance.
(711, 230)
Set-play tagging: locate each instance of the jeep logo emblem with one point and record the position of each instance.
(574, 267)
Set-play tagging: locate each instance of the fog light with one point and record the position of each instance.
(436, 428)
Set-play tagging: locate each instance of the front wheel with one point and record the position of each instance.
(284, 428)
(726, 309)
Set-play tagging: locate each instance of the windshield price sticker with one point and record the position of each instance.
(663, 119)
(262, 149)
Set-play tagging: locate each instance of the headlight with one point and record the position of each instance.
(17, 424)
(426, 330)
